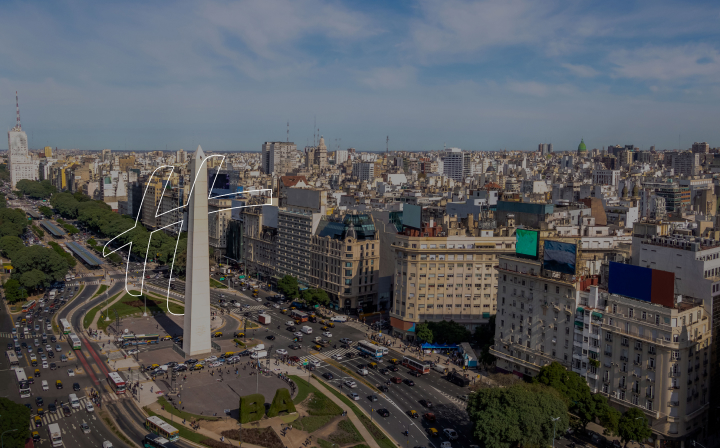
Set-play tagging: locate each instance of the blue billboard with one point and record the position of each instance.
(559, 257)
(412, 216)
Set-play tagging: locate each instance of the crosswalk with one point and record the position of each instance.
(5, 335)
(322, 356)
(250, 308)
(50, 417)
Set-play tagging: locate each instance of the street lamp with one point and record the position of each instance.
(2, 441)
(554, 426)
(107, 310)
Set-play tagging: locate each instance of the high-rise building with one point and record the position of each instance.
(20, 163)
(364, 171)
(277, 158)
(106, 155)
(341, 156)
(48, 152)
(685, 163)
(701, 148)
(456, 164)
(545, 148)
(180, 156)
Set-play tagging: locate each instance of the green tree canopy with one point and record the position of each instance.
(14, 292)
(423, 332)
(15, 423)
(10, 245)
(33, 279)
(520, 415)
(633, 426)
(36, 189)
(12, 222)
(314, 297)
(52, 264)
(46, 211)
(71, 261)
(451, 332)
(288, 285)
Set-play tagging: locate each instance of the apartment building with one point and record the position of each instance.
(260, 227)
(445, 273)
(219, 216)
(154, 188)
(345, 262)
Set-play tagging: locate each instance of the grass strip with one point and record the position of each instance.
(182, 414)
(312, 423)
(216, 284)
(130, 305)
(377, 434)
(100, 290)
(304, 389)
(90, 315)
(346, 433)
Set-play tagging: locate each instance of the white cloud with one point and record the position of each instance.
(389, 77)
(538, 89)
(667, 63)
(584, 71)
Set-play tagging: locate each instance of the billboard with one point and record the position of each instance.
(412, 215)
(559, 257)
(526, 243)
(649, 285)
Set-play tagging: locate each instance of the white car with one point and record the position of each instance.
(315, 363)
(133, 351)
(297, 334)
(71, 372)
(216, 364)
(353, 396)
(290, 323)
(48, 348)
(452, 435)
(259, 299)
(45, 365)
(89, 407)
(350, 384)
(337, 357)
(327, 334)
(275, 305)
(281, 351)
(48, 327)
(211, 358)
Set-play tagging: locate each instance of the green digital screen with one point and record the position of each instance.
(526, 243)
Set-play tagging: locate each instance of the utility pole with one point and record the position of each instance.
(555, 419)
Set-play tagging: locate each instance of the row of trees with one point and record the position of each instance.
(35, 189)
(35, 267)
(288, 285)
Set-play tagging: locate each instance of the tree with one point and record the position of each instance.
(51, 263)
(445, 332)
(633, 426)
(314, 297)
(520, 415)
(14, 292)
(15, 423)
(36, 189)
(46, 211)
(423, 332)
(610, 420)
(33, 279)
(10, 245)
(288, 285)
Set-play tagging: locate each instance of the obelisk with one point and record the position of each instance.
(196, 332)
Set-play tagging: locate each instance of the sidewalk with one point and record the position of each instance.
(369, 440)
(93, 324)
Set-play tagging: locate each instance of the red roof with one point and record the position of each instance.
(291, 181)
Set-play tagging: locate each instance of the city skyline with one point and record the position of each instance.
(475, 75)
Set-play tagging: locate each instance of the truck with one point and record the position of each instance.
(54, 434)
(259, 354)
(458, 379)
(339, 319)
(306, 329)
(264, 319)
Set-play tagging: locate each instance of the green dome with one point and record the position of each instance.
(581, 146)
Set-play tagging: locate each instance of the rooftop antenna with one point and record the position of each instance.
(288, 131)
(17, 108)
(314, 126)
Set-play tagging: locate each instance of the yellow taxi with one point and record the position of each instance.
(38, 421)
(325, 328)
(394, 361)
(239, 334)
(331, 325)
(37, 373)
(166, 338)
(321, 321)
(284, 310)
(58, 384)
(36, 436)
(432, 432)
(217, 334)
(413, 414)
(198, 367)
(229, 354)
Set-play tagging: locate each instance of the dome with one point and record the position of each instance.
(581, 146)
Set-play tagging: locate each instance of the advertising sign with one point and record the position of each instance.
(526, 243)
(559, 257)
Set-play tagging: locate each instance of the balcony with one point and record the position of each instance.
(608, 353)
(651, 368)
(673, 403)
(675, 374)
(650, 395)
(637, 363)
(623, 358)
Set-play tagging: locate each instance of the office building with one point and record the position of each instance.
(47, 152)
(685, 163)
(341, 156)
(180, 156)
(277, 157)
(456, 164)
(364, 171)
(20, 164)
(700, 148)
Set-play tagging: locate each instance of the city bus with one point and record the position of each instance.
(27, 306)
(65, 326)
(299, 315)
(139, 339)
(22, 381)
(371, 349)
(415, 365)
(74, 341)
(12, 357)
(156, 425)
(116, 382)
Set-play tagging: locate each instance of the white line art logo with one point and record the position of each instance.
(107, 249)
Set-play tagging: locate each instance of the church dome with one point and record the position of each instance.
(581, 146)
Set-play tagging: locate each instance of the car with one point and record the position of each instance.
(281, 351)
(337, 357)
(353, 396)
(290, 323)
(217, 364)
(48, 348)
(350, 355)
(346, 341)
(85, 428)
(270, 338)
(66, 410)
(328, 375)
(53, 366)
(133, 351)
(295, 346)
(409, 382)
(38, 401)
(29, 349)
(396, 379)
(372, 397)
(58, 348)
(89, 407)
(351, 384)
(415, 373)
(48, 327)
(394, 368)
(384, 371)
(52, 408)
(327, 334)
(40, 350)
(76, 386)
(45, 365)
(58, 384)
(384, 412)
(428, 404)
(211, 358)
(53, 339)
(71, 372)
(450, 433)
(297, 334)
(314, 363)
(180, 368)
(275, 305)
(429, 416)
(291, 328)
(50, 354)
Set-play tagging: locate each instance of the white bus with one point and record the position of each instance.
(116, 382)
(74, 341)
(65, 326)
(22, 381)
(370, 348)
(12, 357)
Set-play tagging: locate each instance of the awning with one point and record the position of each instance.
(486, 315)
(597, 315)
(440, 346)
(579, 324)
(580, 309)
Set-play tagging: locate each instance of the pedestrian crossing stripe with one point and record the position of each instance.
(50, 417)
(330, 353)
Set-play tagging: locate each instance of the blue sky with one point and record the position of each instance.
(480, 75)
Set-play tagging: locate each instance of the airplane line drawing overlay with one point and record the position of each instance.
(108, 249)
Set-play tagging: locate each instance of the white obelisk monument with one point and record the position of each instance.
(196, 332)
